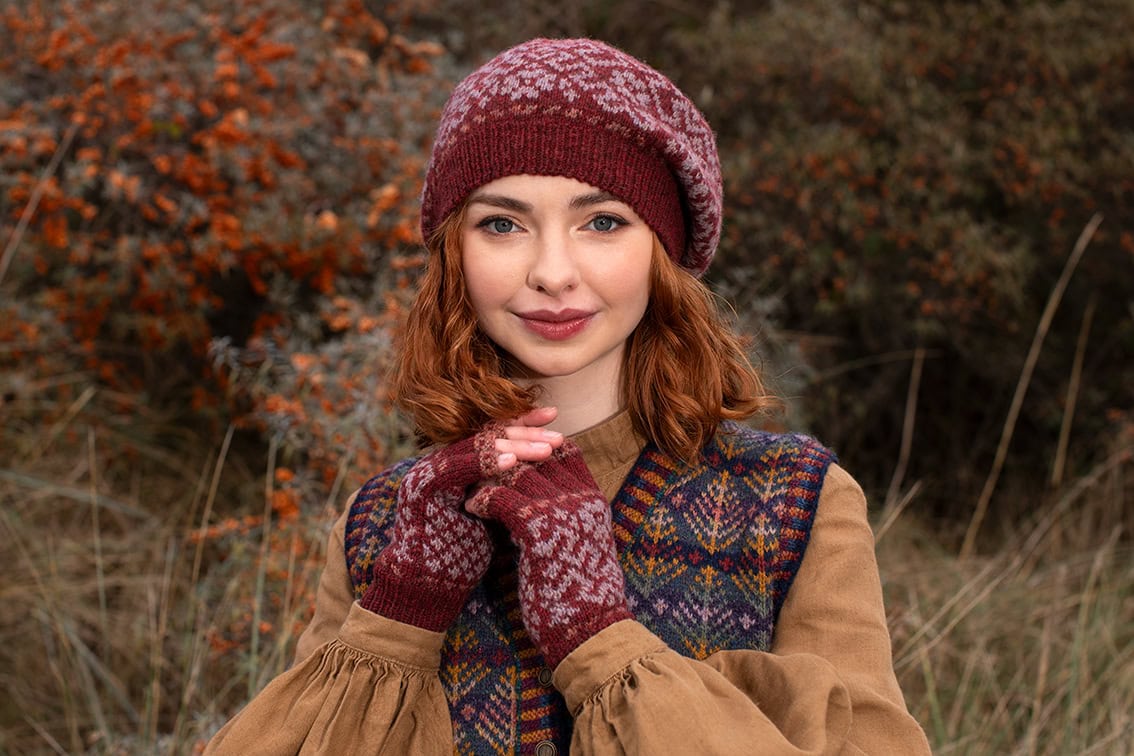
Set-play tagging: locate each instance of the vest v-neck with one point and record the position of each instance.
(610, 450)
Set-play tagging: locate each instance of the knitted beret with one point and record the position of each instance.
(585, 110)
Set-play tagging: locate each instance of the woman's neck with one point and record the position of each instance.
(578, 412)
(583, 399)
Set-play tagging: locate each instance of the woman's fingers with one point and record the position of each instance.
(506, 461)
(526, 440)
(525, 450)
(538, 416)
(534, 435)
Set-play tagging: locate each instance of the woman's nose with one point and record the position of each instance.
(553, 269)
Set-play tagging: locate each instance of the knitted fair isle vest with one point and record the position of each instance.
(708, 551)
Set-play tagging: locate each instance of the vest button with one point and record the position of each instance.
(546, 748)
(545, 677)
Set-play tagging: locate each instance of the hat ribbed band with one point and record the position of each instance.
(583, 109)
(580, 147)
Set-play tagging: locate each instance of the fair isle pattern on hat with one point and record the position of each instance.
(584, 109)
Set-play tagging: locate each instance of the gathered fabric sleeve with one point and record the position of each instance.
(373, 689)
(827, 686)
(334, 596)
(360, 683)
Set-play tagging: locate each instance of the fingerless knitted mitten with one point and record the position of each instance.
(437, 553)
(571, 585)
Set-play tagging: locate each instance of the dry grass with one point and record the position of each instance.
(120, 633)
(1029, 650)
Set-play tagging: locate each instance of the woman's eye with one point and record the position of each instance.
(605, 223)
(498, 225)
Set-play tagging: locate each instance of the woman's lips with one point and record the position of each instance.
(555, 326)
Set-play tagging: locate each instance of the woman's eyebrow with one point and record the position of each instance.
(501, 201)
(516, 205)
(593, 198)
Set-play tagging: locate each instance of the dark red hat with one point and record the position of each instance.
(586, 110)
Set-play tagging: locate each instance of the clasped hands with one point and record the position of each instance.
(535, 483)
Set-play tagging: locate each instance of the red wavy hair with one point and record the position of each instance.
(684, 368)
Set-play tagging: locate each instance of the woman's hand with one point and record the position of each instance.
(526, 440)
(571, 585)
(436, 553)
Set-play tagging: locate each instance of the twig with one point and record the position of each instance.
(871, 361)
(72, 410)
(891, 515)
(1072, 393)
(96, 530)
(1040, 687)
(1083, 483)
(36, 196)
(254, 683)
(907, 429)
(1025, 378)
(214, 485)
(48, 488)
(51, 742)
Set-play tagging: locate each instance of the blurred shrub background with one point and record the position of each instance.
(208, 230)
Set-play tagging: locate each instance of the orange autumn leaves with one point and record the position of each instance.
(227, 170)
(284, 503)
(229, 229)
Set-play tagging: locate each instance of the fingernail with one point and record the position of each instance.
(538, 445)
(506, 458)
(551, 435)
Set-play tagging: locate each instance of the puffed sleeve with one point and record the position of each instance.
(827, 686)
(373, 689)
(360, 683)
(334, 594)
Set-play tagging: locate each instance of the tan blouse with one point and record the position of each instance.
(363, 683)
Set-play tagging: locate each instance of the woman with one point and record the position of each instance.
(623, 568)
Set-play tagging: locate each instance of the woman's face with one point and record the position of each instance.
(557, 272)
